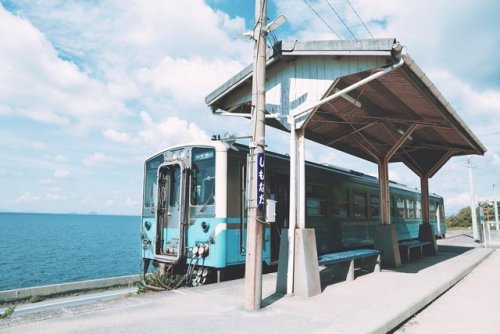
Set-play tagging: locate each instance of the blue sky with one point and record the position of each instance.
(89, 89)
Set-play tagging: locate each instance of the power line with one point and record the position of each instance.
(345, 25)
(315, 12)
(359, 18)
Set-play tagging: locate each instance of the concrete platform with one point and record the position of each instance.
(372, 303)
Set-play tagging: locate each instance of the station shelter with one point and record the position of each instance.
(367, 98)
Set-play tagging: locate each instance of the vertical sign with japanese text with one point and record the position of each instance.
(260, 181)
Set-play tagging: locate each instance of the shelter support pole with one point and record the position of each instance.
(385, 200)
(293, 207)
(424, 188)
(301, 152)
(425, 230)
(386, 237)
(306, 279)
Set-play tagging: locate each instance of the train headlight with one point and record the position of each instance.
(205, 226)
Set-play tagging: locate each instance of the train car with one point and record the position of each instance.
(194, 207)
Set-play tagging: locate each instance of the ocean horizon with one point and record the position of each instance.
(51, 248)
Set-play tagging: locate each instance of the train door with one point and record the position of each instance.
(170, 212)
(280, 185)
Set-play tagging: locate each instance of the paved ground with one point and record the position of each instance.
(471, 306)
(373, 303)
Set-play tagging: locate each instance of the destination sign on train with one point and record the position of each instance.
(204, 156)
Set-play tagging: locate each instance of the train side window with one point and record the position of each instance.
(410, 204)
(340, 202)
(400, 207)
(419, 209)
(315, 200)
(374, 205)
(432, 209)
(359, 204)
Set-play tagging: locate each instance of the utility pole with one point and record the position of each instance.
(475, 232)
(256, 206)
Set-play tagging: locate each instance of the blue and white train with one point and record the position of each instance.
(194, 211)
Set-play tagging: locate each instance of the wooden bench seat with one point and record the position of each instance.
(344, 263)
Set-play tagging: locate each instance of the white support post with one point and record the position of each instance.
(301, 223)
(496, 214)
(293, 207)
(475, 230)
(495, 208)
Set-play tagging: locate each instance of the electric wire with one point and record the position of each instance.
(340, 18)
(317, 14)
(359, 18)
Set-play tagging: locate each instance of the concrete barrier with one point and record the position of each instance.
(64, 288)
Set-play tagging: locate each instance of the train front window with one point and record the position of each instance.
(203, 176)
(151, 185)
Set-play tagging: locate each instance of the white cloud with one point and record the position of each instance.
(459, 200)
(56, 158)
(27, 197)
(60, 158)
(132, 202)
(187, 80)
(61, 173)
(98, 159)
(55, 194)
(38, 145)
(46, 181)
(59, 92)
(119, 137)
(159, 134)
(170, 131)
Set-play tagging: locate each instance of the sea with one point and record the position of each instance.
(41, 248)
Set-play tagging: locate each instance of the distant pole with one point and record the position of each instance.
(495, 208)
(256, 206)
(475, 233)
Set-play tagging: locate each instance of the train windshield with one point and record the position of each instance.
(203, 177)
(151, 186)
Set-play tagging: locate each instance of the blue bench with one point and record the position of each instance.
(408, 245)
(347, 260)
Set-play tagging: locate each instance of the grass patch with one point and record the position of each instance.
(7, 312)
(157, 282)
(36, 299)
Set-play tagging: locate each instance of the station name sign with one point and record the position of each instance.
(261, 188)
